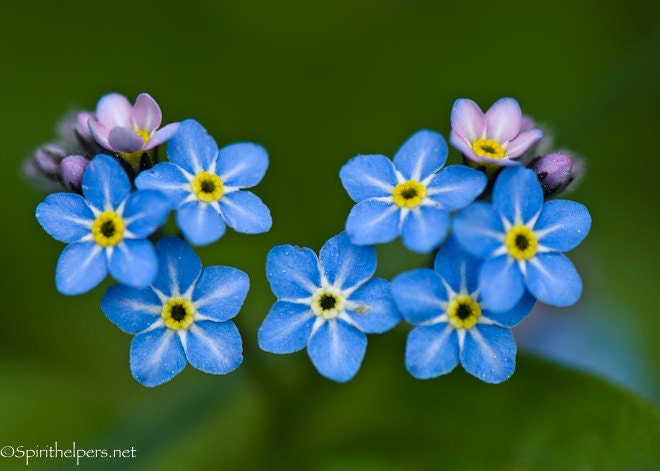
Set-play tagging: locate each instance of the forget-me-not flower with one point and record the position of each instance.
(495, 137)
(408, 196)
(129, 130)
(521, 239)
(184, 317)
(327, 304)
(106, 230)
(453, 324)
(205, 184)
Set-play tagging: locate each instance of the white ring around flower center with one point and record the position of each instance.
(328, 302)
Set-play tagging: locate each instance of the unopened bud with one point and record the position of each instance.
(48, 158)
(71, 171)
(82, 130)
(555, 172)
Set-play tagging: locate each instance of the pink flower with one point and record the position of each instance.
(495, 137)
(120, 127)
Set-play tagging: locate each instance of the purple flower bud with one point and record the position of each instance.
(48, 158)
(555, 172)
(82, 130)
(71, 171)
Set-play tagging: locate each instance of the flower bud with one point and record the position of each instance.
(48, 158)
(72, 168)
(555, 172)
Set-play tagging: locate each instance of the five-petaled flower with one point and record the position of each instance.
(496, 137)
(327, 304)
(129, 130)
(453, 322)
(521, 238)
(106, 229)
(205, 184)
(410, 196)
(185, 316)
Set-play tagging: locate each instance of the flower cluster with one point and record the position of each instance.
(498, 247)
(118, 199)
(492, 223)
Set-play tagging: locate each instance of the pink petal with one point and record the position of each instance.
(99, 132)
(503, 120)
(146, 113)
(467, 119)
(124, 140)
(162, 135)
(114, 110)
(527, 123)
(463, 146)
(522, 143)
(82, 126)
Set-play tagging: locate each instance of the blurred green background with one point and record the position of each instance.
(317, 83)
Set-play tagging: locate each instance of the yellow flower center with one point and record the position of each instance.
(108, 229)
(328, 302)
(521, 242)
(178, 313)
(463, 312)
(144, 135)
(408, 194)
(207, 187)
(488, 148)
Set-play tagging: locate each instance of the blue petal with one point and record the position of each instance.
(552, 278)
(200, 223)
(145, 212)
(562, 225)
(373, 222)
(134, 263)
(517, 194)
(105, 183)
(214, 347)
(167, 178)
(515, 315)
(489, 353)
(336, 350)
(424, 228)
(479, 230)
(81, 266)
(372, 308)
(501, 283)
(157, 356)
(368, 176)
(456, 186)
(419, 295)
(293, 272)
(422, 154)
(245, 212)
(457, 267)
(65, 216)
(431, 351)
(130, 309)
(220, 292)
(242, 165)
(178, 266)
(346, 265)
(286, 328)
(192, 148)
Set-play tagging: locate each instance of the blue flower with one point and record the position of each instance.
(205, 185)
(453, 322)
(521, 237)
(106, 230)
(409, 196)
(327, 304)
(183, 317)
